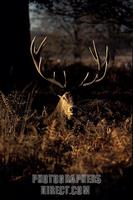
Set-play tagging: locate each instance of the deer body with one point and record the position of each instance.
(64, 108)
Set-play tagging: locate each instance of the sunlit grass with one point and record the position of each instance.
(94, 141)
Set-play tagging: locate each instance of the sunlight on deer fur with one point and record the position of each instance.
(65, 105)
(62, 112)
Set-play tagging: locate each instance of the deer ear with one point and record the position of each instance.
(59, 96)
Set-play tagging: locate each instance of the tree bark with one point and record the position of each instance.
(16, 68)
(77, 42)
(113, 33)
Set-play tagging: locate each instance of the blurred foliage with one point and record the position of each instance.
(118, 11)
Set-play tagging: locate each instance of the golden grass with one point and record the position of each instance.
(83, 146)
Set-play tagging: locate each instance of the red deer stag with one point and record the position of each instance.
(64, 108)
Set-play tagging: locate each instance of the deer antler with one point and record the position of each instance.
(97, 59)
(37, 59)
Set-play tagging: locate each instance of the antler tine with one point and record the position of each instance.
(106, 55)
(89, 83)
(95, 56)
(64, 73)
(84, 79)
(41, 45)
(53, 75)
(35, 53)
(106, 65)
(97, 59)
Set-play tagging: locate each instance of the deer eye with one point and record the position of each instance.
(71, 109)
(64, 98)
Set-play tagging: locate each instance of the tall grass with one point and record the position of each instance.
(97, 139)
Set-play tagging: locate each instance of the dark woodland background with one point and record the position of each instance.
(70, 27)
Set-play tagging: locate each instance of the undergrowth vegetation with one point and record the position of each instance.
(96, 140)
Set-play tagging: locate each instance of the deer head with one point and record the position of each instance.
(65, 106)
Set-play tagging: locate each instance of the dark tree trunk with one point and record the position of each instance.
(113, 32)
(77, 42)
(16, 68)
(76, 50)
